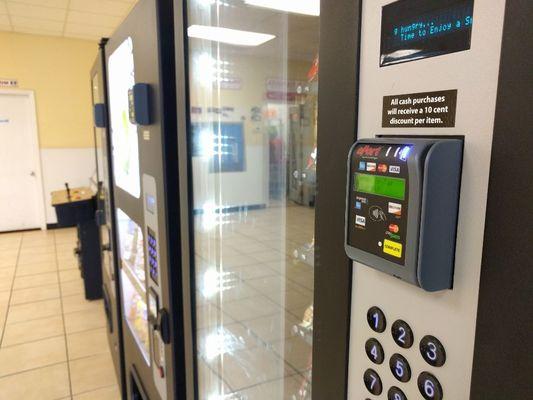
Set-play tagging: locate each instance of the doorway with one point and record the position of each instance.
(21, 193)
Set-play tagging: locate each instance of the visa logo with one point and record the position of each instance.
(394, 169)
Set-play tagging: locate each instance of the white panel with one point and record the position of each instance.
(3, 8)
(72, 165)
(100, 7)
(30, 11)
(449, 315)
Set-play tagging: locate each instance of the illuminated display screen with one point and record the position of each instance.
(415, 29)
(380, 185)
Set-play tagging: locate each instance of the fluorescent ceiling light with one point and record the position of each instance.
(307, 7)
(230, 36)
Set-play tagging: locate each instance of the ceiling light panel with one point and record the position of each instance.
(306, 7)
(229, 36)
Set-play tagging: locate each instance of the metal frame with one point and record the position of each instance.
(101, 59)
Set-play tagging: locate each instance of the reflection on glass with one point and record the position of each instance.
(133, 279)
(123, 131)
(253, 133)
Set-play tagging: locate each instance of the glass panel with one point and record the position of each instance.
(97, 98)
(133, 279)
(123, 131)
(253, 128)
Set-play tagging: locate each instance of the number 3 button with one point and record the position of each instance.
(402, 334)
(429, 387)
(433, 351)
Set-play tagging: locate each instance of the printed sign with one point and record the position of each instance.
(8, 82)
(420, 110)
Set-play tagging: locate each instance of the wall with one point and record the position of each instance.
(57, 70)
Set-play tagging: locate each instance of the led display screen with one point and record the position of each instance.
(380, 185)
(416, 29)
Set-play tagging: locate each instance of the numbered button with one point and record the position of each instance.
(374, 351)
(433, 351)
(373, 382)
(429, 386)
(400, 368)
(396, 394)
(376, 319)
(402, 334)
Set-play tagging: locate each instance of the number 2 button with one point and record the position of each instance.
(376, 319)
(402, 334)
(433, 351)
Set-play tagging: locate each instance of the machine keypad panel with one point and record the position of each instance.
(152, 255)
(431, 350)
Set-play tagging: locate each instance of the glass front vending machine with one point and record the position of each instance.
(105, 214)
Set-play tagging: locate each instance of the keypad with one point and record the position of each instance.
(431, 350)
(373, 382)
(429, 386)
(395, 393)
(376, 320)
(374, 351)
(152, 256)
(402, 334)
(400, 368)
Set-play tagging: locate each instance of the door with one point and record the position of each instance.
(252, 92)
(21, 197)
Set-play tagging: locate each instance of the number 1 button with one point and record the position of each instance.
(376, 319)
(373, 382)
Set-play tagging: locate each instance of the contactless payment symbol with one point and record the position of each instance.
(377, 214)
(360, 220)
(371, 167)
(395, 209)
(362, 165)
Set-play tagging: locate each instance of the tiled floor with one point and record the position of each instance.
(254, 273)
(53, 342)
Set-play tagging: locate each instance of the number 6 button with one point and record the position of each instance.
(402, 334)
(429, 386)
(433, 351)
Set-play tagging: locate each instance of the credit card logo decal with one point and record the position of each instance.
(362, 165)
(371, 167)
(360, 220)
(382, 168)
(392, 248)
(394, 169)
(395, 209)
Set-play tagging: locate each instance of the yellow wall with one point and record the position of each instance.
(57, 70)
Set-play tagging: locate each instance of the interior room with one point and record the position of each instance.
(262, 199)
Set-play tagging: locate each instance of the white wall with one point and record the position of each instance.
(72, 165)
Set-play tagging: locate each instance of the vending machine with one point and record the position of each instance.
(105, 214)
(436, 119)
(139, 64)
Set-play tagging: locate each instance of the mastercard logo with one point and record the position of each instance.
(394, 228)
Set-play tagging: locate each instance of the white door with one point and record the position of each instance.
(21, 199)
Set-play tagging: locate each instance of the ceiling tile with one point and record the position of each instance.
(37, 31)
(4, 20)
(84, 37)
(43, 3)
(87, 30)
(77, 17)
(3, 8)
(23, 22)
(30, 11)
(116, 8)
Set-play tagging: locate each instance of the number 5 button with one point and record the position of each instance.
(433, 351)
(402, 334)
(400, 368)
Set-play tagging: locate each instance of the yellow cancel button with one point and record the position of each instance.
(392, 248)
